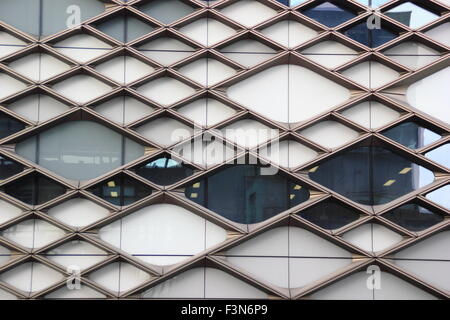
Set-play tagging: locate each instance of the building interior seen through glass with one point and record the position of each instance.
(223, 149)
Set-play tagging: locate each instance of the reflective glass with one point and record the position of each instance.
(166, 11)
(441, 196)
(411, 135)
(125, 28)
(70, 150)
(34, 189)
(440, 155)
(411, 15)
(9, 125)
(413, 217)
(330, 215)
(8, 168)
(369, 37)
(164, 171)
(247, 193)
(329, 14)
(371, 175)
(121, 190)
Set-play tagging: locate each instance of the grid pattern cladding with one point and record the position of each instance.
(98, 185)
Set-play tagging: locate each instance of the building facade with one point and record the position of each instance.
(228, 149)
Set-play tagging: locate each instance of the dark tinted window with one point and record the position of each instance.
(9, 126)
(164, 171)
(330, 215)
(412, 135)
(370, 37)
(9, 168)
(244, 194)
(414, 217)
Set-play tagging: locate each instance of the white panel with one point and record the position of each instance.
(394, 288)
(10, 85)
(304, 243)
(441, 33)
(270, 243)
(288, 153)
(119, 276)
(207, 71)
(82, 47)
(9, 44)
(165, 131)
(166, 91)
(84, 292)
(372, 237)
(31, 277)
(271, 270)
(431, 95)
(5, 295)
(8, 211)
(207, 111)
(330, 53)
(189, 284)
(221, 285)
(413, 55)
(78, 212)
(371, 114)
(248, 12)
(353, 287)
(432, 248)
(33, 233)
(163, 229)
(249, 133)
(371, 74)
(207, 31)
(124, 69)
(38, 107)
(434, 272)
(289, 33)
(320, 133)
(82, 88)
(248, 60)
(166, 51)
(303, 271)
(39, 67)
(248, 52)
(80, 254)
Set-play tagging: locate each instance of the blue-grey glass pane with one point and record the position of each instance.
(244, 194)
(70, 149)
(330, 215)
(166, 11)
(329, 14)
(414, 217)
(125, 28)
(9, 125)
(34, 189)
(369, 37)
(8, 168)
(121, 190)
(65, 14)
(164, 171)
(441, 196)
(411, 15)
(371, 175)
(411, 135)
(373, 3)
(440, 155)
(21, 14)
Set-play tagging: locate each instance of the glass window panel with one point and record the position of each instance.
(411, 135)
(371, 175)
(329, 14)
(69, 150)
(121, 190)
(246, 193)
(8, 168)
(370, 37)
(441, 196)
(34, 189)
(440, 155)
(9, 125)
(125, 28)
(164, 171)
(411, 15)
(166, 11)
(330, 215)
(414, 217)
(21, 14)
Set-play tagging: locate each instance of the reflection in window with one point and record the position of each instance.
(164, 171)
(121, 190)
(34, 189)
(330, 215)
(371, 175)
(441, 196)
(125, 28)
(369, 37)
(412, 135)
(414, 217)
(329, 14)
(440, 155)
(9, 125)
(80, 150)
(9, 168)
(247, 193)
(411, 15)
